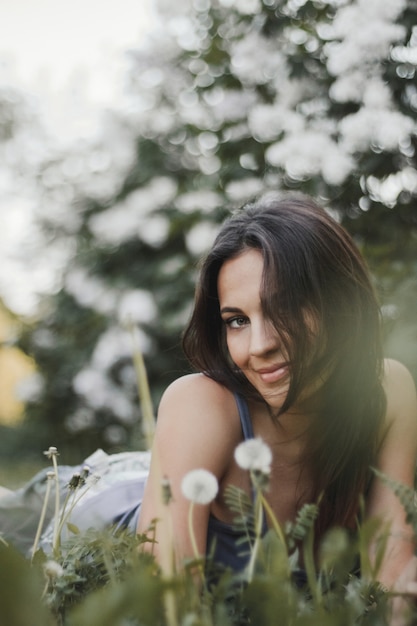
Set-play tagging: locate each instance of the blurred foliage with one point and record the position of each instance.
(104, 577)
(227, 100)
(101, 578)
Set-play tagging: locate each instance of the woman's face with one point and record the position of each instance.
(254, 344)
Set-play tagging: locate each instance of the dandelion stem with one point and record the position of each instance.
(56, 535)
(45, 590)
(170, 607)
(168, 553)
(258, 533)
(191, 531)
(311, 569)
(64, 514)
(42, 516)
(275, 523)
(143, 388)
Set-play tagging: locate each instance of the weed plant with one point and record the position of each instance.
(104, 578)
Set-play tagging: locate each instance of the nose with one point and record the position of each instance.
(264, 338)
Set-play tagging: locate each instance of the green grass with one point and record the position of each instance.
(14, 475)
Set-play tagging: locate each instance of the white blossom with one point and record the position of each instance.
(133, 217)
(115, 434)
(241, 190)
(93, 382)
(375, 126)
(377, 94)
(363, 33)
(30, 388)
(388, 189)
(199, 486)
(115, 344)
(82, 419)
(207, 141)
(203, 200)
(267, 121)
(254, 454)
(99, 392)
(137, 305)
(246, 7)
(256, 59)
(200, 237)
(209, 164)
(336, 165)
(192, 111)
(348, 87)
(310, 153)
(230, 105)
(90, 291)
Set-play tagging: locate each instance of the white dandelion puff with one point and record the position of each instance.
(53, 569)
(199, 486)
(255, 455)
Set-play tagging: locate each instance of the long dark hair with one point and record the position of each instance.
(312, 271)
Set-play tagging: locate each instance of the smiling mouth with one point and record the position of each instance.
(274, 373)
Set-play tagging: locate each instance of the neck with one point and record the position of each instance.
(293, 426)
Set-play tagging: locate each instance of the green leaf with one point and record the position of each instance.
(73, 528)
(21, 588)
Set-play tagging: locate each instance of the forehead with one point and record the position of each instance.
(240, 275)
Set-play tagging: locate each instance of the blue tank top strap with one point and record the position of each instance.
(247, 431)
(244, 415)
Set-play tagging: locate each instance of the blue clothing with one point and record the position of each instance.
(225, 544)
(220, 531)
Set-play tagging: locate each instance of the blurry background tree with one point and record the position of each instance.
(228, 99)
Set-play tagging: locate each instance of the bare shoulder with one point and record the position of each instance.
(400, 430)
(400, 392)
(198, 388)
(202, 416)
(198, 398)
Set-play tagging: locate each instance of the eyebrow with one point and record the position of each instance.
(230, 309)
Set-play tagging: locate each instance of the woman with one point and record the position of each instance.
(285, 335)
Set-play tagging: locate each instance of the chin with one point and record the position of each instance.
(274, 399)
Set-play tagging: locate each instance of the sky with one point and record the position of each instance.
(69, 55)
(45, 45)
(57, 35)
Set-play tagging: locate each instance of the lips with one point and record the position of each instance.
(273, 373)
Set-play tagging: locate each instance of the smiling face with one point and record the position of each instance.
(253, 343)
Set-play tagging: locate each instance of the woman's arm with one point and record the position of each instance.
(397, 460)
(197, 427)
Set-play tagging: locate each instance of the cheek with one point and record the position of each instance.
(236, 349)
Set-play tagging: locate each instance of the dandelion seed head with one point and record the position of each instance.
(53, 569)
(199, 486)
(86, 470)
(76, 481)
(52, 451)
(254, 454)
